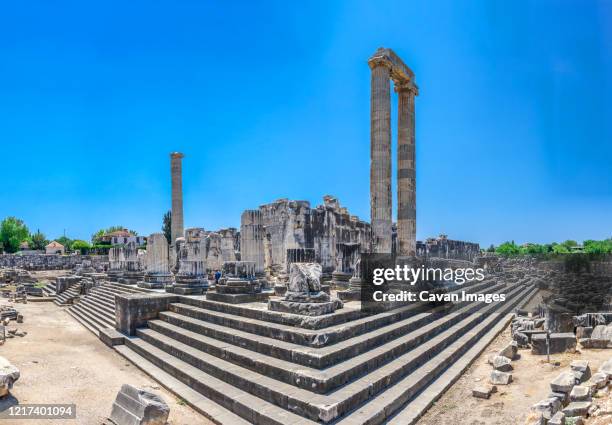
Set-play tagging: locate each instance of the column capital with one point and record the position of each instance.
(176, 155)
(376, 61)
(406, 86)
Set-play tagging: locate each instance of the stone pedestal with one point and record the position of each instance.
(304, 295)
(238, 284)
(191, 278)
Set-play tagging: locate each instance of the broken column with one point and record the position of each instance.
(380, 153)
(304, 295)
(8, 375)
(116, 260)
(252, 239)
(176, 172)
(157, 273)
(238, 284)
(191, 278)
(134, 406)
(133, 267)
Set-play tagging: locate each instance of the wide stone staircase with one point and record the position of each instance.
(96, 310)
(244, 364)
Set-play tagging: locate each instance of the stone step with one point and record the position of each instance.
(339, 317)
(208, 408)
(128, 288)
(303, 402)
(94, 317)
(102, 300)
(432, 374)
(317, 358)
(98, 307)
(287, 333)
(93, 328)
(249, 407)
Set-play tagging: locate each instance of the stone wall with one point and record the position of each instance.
(49, 261)
(336, 237)
(442, 247)
(222, 245)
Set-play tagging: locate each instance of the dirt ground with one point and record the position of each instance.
(512, 403)
(62, 362)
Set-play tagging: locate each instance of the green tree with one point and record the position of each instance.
(569, 244)
(38, 240)
(79, 245)
(560, 249)
(491, 248)
(13, 231)
(508, 248)
(167, 226)
(598, 247)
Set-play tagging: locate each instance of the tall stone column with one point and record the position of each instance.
(176, 172)
(380, 154)
(406, 170)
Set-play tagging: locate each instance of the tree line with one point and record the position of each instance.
(589, 246)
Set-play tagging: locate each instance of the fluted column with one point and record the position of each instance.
(406, 171)
(380, 155)
(176, 172)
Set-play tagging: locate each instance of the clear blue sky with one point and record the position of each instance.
(271, 100)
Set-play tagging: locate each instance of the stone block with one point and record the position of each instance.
(607, 368)
(135, 406)
(500, 378)
(557, 419)
(501, 363)
(8, 375)
(577, 408)
(602, 336)
(562, 397)
(547, 407)
(484, 391)
(134, 310)
(563, 383)
(584, 332)
(599, 380)
(559, 343)
(509, 350)
(306, 309)
(580, 393)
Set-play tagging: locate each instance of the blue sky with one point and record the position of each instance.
(271, 99)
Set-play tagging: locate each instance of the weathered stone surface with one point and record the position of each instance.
(584, 332)
(191, 278)
(607, 368)
(134, 310)
(580, 365)
(157, 273)
(599, 380)
(305, 278)
(580, 393)
(8, 375)
(509, 350)
(577, 408)
(500, 378)
(484, 391)
(521, 339)
(602, 336)
(559, 343)
(547, 407)
(501, 363)
(563, 383)
(557, 419)
(135, 406)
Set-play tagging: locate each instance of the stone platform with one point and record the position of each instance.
(270, 367)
